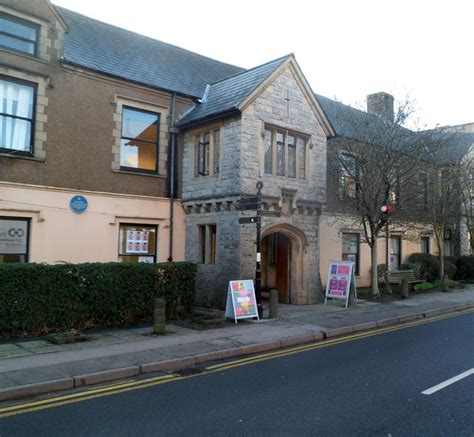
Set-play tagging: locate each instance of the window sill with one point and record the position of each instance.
(137, 173)
(18, 156)
(291, 178)
(24, 55)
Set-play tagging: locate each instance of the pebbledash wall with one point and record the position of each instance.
(212, 199)
(57, 234)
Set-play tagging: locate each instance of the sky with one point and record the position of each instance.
(416, 50)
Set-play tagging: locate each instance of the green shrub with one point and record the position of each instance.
(465, 267)
(40, 298)
(428, 265)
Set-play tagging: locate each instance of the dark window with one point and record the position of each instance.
(424, 188)
(349, 175)
(14, 239)
(351, 249)
(425, 244)
(207, 153)
(18, 35)
(139, 141)
(17, 100)
(217, 150)
(207, 240)
(395, 253)
(448, 246)
(203, 153)
(291, 156)
(137, 243)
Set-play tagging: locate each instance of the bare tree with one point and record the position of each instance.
(444, 192)
(374, 164)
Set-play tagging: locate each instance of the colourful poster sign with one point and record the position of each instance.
(241, 302)
(340, 278)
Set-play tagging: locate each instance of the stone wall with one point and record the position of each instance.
(212, 199)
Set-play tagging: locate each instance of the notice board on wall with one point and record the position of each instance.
(241, 301)
(341, 281)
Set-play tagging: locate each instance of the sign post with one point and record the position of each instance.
(241, 301)
(255, 204)
(258, 287)
(341, 281)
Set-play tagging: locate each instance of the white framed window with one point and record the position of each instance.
(17, 115)
(18, 35)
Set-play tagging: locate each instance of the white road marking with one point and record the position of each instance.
(449, 381)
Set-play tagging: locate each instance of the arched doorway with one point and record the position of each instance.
(283, 259)
(276, 260)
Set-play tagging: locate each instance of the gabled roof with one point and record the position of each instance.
(225, 96)
(117, 52)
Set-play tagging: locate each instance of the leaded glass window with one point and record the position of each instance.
(268, 151)
(280, 146)
(291, 156)
(217, 150)
(301, 158)
(285, 153)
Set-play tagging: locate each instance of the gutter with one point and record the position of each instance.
(173, 131)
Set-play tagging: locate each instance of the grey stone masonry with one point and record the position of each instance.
(284, 105)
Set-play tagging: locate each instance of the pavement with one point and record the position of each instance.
(33, 367)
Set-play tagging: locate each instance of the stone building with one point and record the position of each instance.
(262, 125)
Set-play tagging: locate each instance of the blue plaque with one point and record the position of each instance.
(78, 204)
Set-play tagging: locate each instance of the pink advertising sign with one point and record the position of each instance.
(340, 278)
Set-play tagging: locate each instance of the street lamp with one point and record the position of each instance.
(387, 209)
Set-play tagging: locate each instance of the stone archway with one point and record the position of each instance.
(284, 258)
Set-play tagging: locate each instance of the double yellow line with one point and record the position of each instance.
(29, 407)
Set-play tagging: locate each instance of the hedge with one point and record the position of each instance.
(465, 267)
(40, 298)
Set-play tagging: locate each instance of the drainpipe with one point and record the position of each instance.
(173, 131)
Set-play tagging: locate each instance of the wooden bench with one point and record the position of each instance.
(396, 277)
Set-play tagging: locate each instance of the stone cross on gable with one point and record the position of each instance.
(287, 98)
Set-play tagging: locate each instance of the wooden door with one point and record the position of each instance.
(282, 268)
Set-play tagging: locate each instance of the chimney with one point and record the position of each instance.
(381, 105)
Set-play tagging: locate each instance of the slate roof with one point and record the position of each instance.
(120, 53)
(358, 125)
(225, 96)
